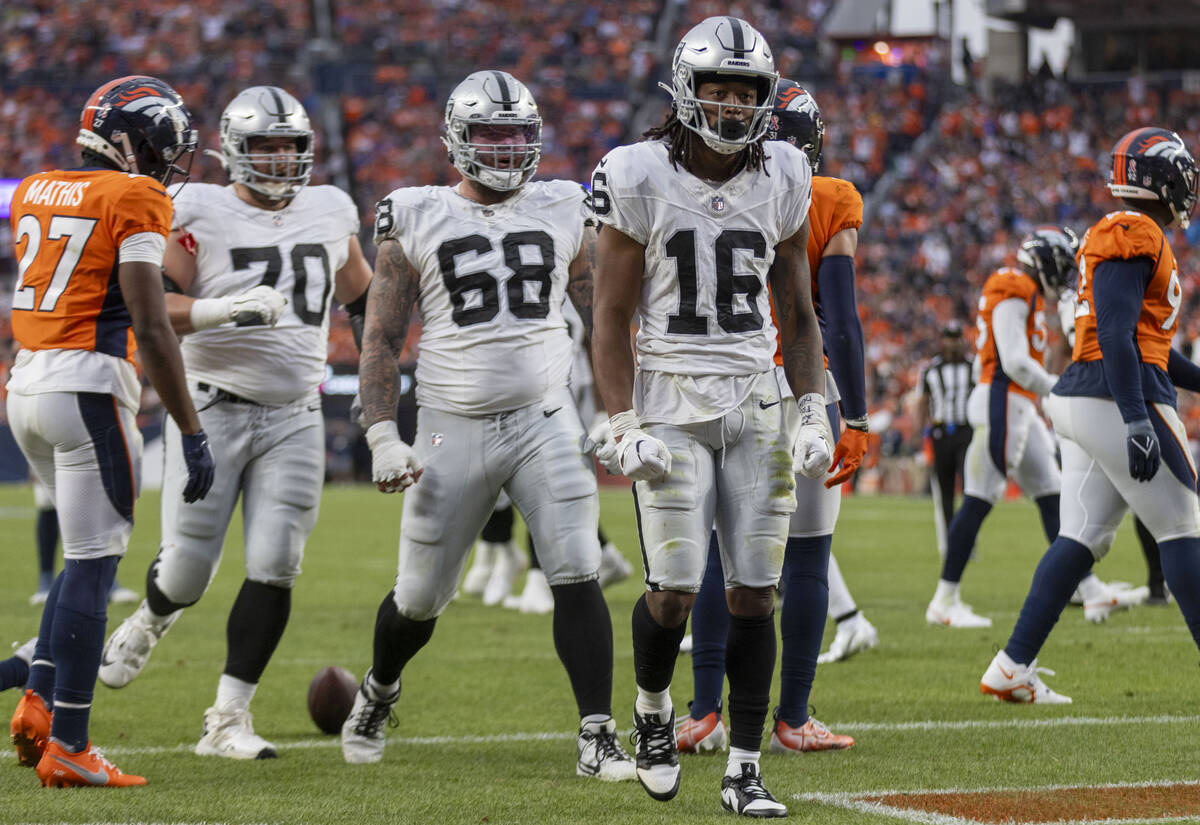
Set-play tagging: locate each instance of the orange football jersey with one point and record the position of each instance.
(1004, 284)
(1120, 236)
(68, 227)
(836, 205)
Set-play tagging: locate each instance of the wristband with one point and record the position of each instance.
(381, 433)
(859, 424)
(207, 313)
(623, 422)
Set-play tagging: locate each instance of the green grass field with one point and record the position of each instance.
(487, 720)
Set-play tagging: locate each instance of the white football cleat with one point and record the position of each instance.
(128, 648)
(657, 753)
(1113, 596)
(954, 613)
(363, 734)
(229, 732)
(476, 580)
(686, 643)
(1008, 681)
(614, 567)
(601, 755)
(536, 597)
(853, 635)
(509, 563)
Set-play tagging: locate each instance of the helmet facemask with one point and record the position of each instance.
(272, 174)
(499, 153)
(727, 135)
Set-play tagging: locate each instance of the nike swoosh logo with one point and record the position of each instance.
(94, 777)
(549, 413)
(1007, 675)
(763, 405)
(1124, 226)
(603, 161)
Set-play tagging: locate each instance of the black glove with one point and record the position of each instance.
(1142, 445)
(200, 466)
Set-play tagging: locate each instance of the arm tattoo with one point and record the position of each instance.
(579, 282)
(390, 304)
(799, 330)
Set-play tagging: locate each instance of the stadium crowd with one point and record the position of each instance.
(952, 209)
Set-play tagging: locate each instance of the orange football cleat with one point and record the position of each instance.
(30, 729)
(705, 735)
(59, 768)
(811, 736)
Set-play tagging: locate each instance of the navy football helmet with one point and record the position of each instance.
(1154, 164)
(796, 118)
(1049, 254)
(140, 125)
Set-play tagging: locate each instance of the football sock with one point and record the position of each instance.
(397, 639)
(654, 649)
(841, 603)
(1181, 564)
(77, 638)
(738, 757)
(750, 663)
(499, 527)
(231, 689)
(802, 623)
(652, 701)
(47, 543)
(14, 672)
(1048, 507)
(41, 669)
(1057, 575)
(583, 638)
(601, 536)
(156, 600)
(256, 624)
(1154, 571)
(961, 539)
(710, 626)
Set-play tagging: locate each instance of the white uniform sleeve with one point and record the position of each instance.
(794, 164)
(389, 218)
(1009, 320)
(148, 247)
(616, 199)
(1067, 302)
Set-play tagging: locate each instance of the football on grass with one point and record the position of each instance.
(330, 697)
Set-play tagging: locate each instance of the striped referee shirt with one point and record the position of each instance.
(947, 385)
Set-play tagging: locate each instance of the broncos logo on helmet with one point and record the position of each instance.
(1049, 253)
(138, 124)
(797, 119)
(1154, 164)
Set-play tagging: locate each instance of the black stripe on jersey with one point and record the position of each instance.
(739, 37)
(505, 96)
(280, 112)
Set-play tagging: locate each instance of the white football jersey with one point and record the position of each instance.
(492, 283)
(297, 250)
(705, 307)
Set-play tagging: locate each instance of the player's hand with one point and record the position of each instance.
(1144, 453)
(599, 443)
(200, 466)
(851, 448)
(642, 457)
(394, 465)
(260, 306)
(812, 455)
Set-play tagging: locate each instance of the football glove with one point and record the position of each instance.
(599, 443)
(1142, 446)
(812, 454)
(849, 452)
(640, 457)
(394, 465)
(200, 466)
(258, 306)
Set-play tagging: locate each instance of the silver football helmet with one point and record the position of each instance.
(267, 112)
(723, 46)
(493, 98)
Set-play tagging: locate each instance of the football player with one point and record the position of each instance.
(486, 264)
(250, 268)
(1008, 436)
(1122, 378)
(698, 221)
(811, 579)
(89, 243)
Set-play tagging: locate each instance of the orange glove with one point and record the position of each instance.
(851, 448)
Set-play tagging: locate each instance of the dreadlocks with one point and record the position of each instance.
(680, 140)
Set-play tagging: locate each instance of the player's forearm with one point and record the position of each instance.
(1117, 290)
(802, 358)
(1184, 372)
(163, 365)
(612, 363)
(179, 313)
(379, 382)
(843, 333)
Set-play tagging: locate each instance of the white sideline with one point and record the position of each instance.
(855, 802)
(333, 742)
